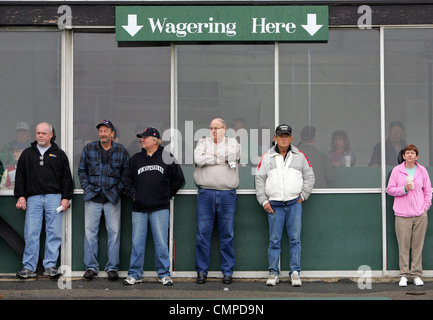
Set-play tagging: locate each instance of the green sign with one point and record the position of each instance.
(222, 23)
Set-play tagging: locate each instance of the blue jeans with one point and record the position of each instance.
(37, 207)
(288, 216)
(219, 205)
(159, 223)
(93, 212)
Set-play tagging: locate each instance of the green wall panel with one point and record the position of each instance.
(251, 235)
(340, 232)
(125, 239)
(10, 261)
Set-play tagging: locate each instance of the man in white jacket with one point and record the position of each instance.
(284, 179)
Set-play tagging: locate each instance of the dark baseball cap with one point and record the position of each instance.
(149, 132)
(107, 123)
(283, 129)
(308, 133)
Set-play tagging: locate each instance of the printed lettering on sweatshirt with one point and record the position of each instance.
(153, 167)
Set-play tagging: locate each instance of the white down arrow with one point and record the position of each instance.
(132, 28)
(312, 27)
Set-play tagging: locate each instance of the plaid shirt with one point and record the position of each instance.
(96, 175)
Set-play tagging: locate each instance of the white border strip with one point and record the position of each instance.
(276, 85)
(382, 151)
(67, 121)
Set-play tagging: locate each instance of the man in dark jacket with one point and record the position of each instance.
(101, 171)
(152, 179)
(43, 187)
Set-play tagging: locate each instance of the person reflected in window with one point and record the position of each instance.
(324, 172)
(22, 136)
(341, 155)
(393, 145)
(410, 186)
(8, 178)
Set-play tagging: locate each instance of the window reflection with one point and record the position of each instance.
(232, 82)
(128, 85)
(29, 93)
(334, 87)
(408, 88)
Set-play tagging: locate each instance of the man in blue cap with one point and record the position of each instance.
(102, 172)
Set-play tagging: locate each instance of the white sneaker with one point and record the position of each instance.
(403, 282)
(131, 280)
(273, 280)
(417, 281)
(296, 279)
(166, 281)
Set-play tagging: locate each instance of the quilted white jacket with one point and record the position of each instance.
(283, 179)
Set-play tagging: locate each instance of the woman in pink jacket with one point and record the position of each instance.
(410, 186)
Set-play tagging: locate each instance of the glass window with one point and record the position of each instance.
(408, 92)
(128, 85)
(29, 90)
(334, 87)
(232, 82)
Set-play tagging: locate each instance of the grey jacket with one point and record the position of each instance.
(217, 164)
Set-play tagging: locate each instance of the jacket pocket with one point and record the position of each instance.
(93, 168)
(293, 181)
(114, 170)
(272, 187)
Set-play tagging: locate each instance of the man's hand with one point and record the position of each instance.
(268, 208)
(65, 204)
(21, 203)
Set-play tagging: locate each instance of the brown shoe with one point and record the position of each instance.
(90, 274)
(112, 275)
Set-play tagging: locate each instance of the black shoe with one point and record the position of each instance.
(227, 279)
(90, 274)
(201, 278)
(112, 275)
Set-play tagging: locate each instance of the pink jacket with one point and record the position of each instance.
(415, 202)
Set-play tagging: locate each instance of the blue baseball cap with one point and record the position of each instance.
(149, 132)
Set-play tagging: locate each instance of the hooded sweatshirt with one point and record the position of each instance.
(414, 202)
(152, 180)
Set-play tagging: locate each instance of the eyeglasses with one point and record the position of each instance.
(215, 128)
(41, 163)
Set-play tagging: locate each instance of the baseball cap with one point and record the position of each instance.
(105, 123)
(396, 124)
(308, 133)
(149, 132)
(23, 126)
(283, 129)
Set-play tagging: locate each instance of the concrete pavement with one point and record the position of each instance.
(44, 288)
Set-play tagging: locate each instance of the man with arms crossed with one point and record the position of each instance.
(217, 177)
